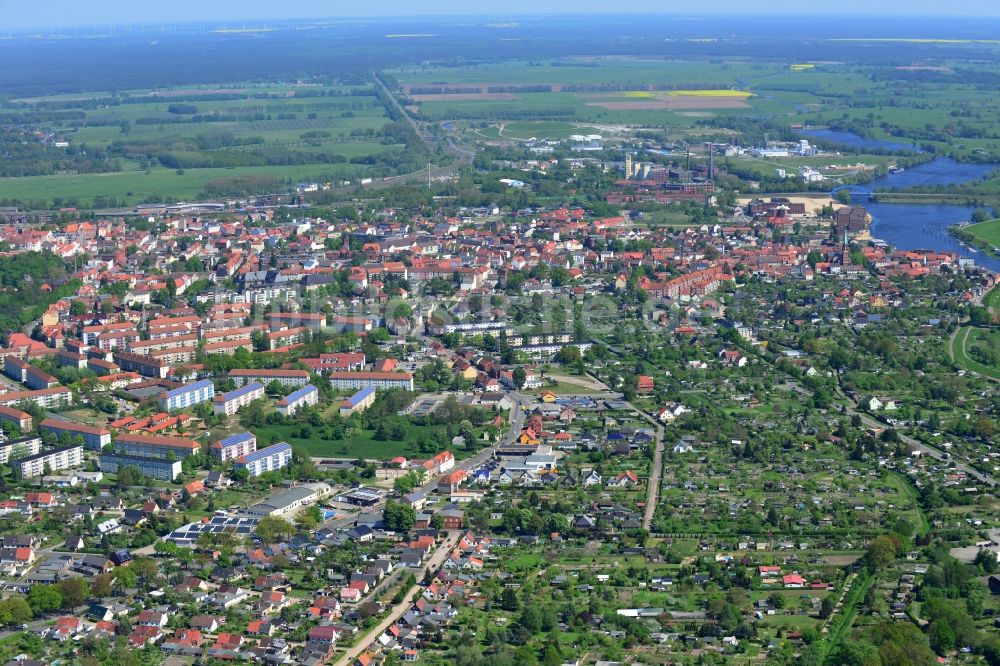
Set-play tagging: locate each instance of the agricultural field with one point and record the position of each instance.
(182, 143)
(938, 106)
(608, 90)
(130, 187)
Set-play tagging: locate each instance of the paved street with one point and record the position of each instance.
(433, 564)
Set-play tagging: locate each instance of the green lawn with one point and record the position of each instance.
(992, 300)
(965, 339)
(361, 444)
(789, 621)
(338, 119)
(987, 232)
(132, 187)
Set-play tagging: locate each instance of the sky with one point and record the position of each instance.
(16, 14)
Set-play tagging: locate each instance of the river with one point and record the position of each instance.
(852, 140)
(922, 226)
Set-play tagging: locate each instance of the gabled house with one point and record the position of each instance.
(624, 480)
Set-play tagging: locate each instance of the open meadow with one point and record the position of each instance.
(185, 142)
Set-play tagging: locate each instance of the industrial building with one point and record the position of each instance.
(288, 501)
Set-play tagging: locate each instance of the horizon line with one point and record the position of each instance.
(499, 16)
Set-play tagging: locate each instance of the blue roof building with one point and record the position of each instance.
(269, 459)
(187, 395)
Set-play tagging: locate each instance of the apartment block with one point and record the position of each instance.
(157, 468)
(20, 448)
(94, 438)
(286, 378)
(234, 446)
(229, 403)
(155, 446)
(58, 396)
(358, 402)
(268, 459)
(48, 461)
(293, 402)
(21, 419)
(381, 380)
(187, 396)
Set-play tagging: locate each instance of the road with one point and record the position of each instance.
(655, 472)
(33, 626)
(433, 564)
(462, 155)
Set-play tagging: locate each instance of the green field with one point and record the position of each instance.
(947, 111)
(600, 90)
(540, 129)
(583, 70)
(132, 187)
(167, 146)
(992, 300)
(361, 444)
(987, 233)
(962, 350)
(831, 166)
(276, 121)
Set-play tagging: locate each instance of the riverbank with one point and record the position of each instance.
(984, 236)
(934, 199)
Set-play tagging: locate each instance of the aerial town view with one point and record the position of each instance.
(551, 337)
